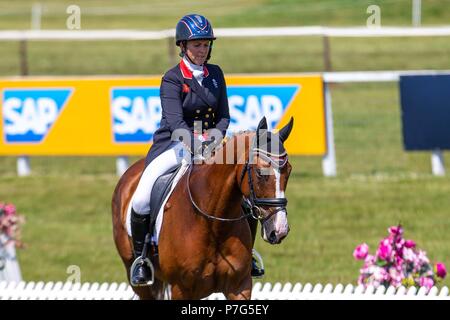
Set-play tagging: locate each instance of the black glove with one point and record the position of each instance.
(205, 148)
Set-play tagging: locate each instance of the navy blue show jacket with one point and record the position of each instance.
(185, 103)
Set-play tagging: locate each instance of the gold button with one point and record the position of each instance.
(209, 109)
(196, 117)
(206, 124)
(207, 116)
(198, 110)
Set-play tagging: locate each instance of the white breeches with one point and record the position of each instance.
(161, 164)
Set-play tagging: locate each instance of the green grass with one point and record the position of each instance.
(67, 202)
(257, 55)
(156, 14)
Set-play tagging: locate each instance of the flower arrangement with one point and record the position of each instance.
(10, 222)
(397, 262)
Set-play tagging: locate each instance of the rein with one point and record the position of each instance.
(206, 215)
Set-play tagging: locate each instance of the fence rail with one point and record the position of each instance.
(261, 291)
(363, 31)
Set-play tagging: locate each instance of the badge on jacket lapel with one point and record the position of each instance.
(186, 88)
(215, 83)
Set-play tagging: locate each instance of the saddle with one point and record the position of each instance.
(160, 190)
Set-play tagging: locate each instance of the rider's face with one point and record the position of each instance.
(197, 51)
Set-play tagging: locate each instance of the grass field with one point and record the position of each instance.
(156, 14)
(66, 200)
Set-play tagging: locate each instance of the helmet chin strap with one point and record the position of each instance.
(190, 60)
(183, 53)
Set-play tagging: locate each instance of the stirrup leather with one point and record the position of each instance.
(139, 260)
(259, 264)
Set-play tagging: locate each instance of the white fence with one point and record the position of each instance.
(94, 35)
(261, 291)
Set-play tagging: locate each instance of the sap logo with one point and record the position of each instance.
(136, 114)
(29, 114)
(249, 104)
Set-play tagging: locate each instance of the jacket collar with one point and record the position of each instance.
(187, 74)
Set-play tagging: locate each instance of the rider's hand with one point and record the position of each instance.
(205, 147)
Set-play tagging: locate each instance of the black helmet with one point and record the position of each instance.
(193, 26)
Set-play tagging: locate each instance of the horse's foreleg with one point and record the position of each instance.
(179, 294)
(242, 291)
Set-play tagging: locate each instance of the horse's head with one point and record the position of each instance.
(267, 171)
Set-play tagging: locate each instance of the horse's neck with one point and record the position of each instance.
(225, 194)
(220, 176)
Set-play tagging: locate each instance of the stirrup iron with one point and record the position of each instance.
(138, 261)
(143, 259)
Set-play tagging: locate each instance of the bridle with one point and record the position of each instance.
(254, 203)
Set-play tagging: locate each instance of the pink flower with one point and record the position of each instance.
(410, 244)
(397, 262)
(426, 282)
(370, 260)
(440, 270)
(361, 251)
(396, 230)
(9, 209)
(384, 250)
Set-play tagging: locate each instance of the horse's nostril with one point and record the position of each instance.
(272, 236)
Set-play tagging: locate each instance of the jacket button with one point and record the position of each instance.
(207, 115)
(209, 109)
(198, 110)
(206, 124)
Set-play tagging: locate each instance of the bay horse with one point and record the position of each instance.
(205, 243)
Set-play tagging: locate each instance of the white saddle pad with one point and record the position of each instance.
(159, 219)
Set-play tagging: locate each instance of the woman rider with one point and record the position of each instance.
(193, 99)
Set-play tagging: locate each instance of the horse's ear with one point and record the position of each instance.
(286, 130)
(262, 124)
(261, 129)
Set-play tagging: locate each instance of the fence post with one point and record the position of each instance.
(326, 53)
(437, 163)
(416, 12)
(36, 16)
(172, 53)
(329, 159)
(9, 266)
(121, 165)
(23, 57)
(23, 166)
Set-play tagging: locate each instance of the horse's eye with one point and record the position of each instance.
(263, 173)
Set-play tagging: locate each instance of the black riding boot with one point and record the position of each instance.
(141, 274)
(257, 272)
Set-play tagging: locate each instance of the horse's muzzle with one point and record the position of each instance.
(277, 228)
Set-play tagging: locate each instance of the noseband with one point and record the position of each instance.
(253, 201)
